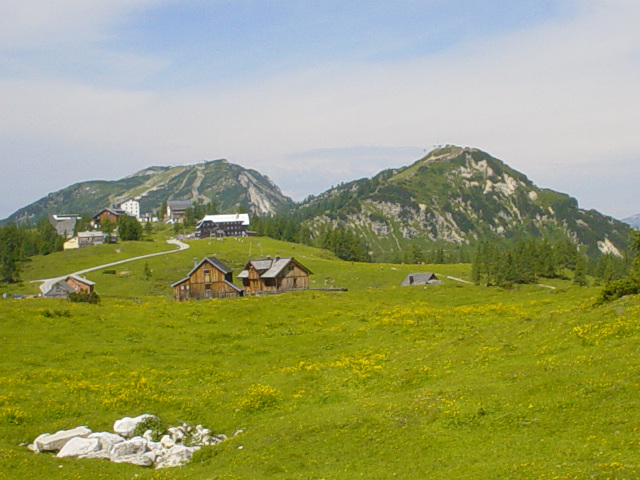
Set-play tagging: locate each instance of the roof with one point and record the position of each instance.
(63, 224)
(419, 278)
(270, 267)
(80, 279)
(179, 204)
(115, 211)
(90, 234)
(227, 218)
(58, 288)
(213, 261)
(180, 281)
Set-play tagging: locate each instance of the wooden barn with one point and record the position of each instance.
(274, 275)
(111, 214)
(208, 279)
(70, 284)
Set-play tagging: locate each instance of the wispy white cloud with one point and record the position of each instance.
(553, 97)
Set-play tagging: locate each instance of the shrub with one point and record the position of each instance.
(86, 297)
(619, 288)
(158, 428)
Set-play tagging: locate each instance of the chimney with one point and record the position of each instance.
(195, 261)
(277, 257)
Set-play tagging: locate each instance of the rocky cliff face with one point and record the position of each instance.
(230, 185)
(458, 195)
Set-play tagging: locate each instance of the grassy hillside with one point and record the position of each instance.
(454, 381)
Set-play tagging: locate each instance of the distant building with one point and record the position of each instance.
(65, 224)
(132, 207)
(111, 214)
(177, 209)
(70, 284)
(274, 275)
(85, 239)
(426, 278)
(233, 225)
(210, 278)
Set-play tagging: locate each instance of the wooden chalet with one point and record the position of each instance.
(70, 284)
(108, 214)
(231, 225)
(177, 209)
(208, 279)
(274, 275)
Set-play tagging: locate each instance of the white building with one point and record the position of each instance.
(132, 207)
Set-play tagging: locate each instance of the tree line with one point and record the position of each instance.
(17, 243)
(526, 260)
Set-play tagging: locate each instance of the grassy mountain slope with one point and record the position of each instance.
(455, 381)
(228, 184)
(457, 195)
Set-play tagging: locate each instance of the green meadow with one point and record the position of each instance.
(455, 381)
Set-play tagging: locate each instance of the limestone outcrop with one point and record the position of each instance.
(157, 446)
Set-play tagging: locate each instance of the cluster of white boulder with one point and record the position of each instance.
(175, 448)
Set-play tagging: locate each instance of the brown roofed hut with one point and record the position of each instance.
(208, 279)
(267, 275)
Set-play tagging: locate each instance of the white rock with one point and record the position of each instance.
(53, 443)
(107, 439)
(35, 446)
(139, 460)
(125, 426)
(79, 446)
(155, 446)
(101, 454)
(167, 441)
(176, 456)
(135, 446)
(177, 435)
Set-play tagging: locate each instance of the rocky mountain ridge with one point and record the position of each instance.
(230, 185)
(633, 220)
(453, 195)
(457, 195)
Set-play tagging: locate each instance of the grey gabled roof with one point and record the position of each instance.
(179, 282)
(270, 267)
(213, 261)
(419, 278)
(82, 280)
(179, 204)
(235, 287)
(277, 266)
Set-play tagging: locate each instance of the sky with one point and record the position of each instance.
(313, 94)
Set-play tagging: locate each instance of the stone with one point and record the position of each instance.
(107, 440)
(135, 446)
(167, 441)
(139, 460)
(177, 435)
(79, 446)
(125, 426)
(176, 456)
(35, 446)
(53, 443)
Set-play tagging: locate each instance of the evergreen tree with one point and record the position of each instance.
(10, 253)
(129, 228)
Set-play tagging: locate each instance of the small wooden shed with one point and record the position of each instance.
(425, 278)
(274, 275)
(70, 284)
(210, 278)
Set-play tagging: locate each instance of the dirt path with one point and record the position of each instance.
(48, 282)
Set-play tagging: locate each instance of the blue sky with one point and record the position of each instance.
(316, 93)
